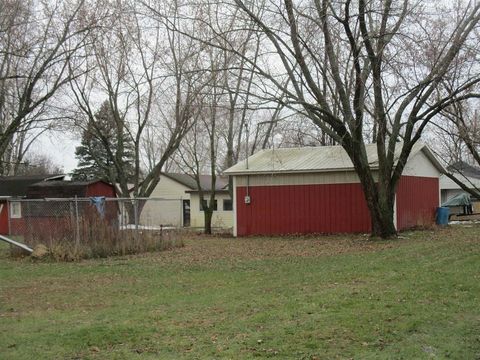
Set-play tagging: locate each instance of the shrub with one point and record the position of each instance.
(97, 238)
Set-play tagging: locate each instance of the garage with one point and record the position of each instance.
(316, 190)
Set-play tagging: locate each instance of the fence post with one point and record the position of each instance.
(124, 215)
(9, 218)
(135, 211)
(77, 224)
(28, 222)
(182, 220)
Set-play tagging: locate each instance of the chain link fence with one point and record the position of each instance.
(79, 220)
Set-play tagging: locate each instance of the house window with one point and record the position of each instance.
(15, 210)
(227, 205)
(204, 203)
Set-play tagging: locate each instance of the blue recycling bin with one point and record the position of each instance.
(442, 215)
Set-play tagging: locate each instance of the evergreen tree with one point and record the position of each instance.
(99, 145)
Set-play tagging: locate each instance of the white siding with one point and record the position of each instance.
(220, 219)
(338, 177)
(420, 165)
(170, 189)
(165, 212)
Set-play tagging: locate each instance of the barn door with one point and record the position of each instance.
(3, 219)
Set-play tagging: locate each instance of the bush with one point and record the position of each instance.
(98, 238)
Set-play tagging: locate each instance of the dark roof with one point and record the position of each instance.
(465, 169)
(189, 181)
(17, 186)
(60, 189)
(184, 179)
(56, 183)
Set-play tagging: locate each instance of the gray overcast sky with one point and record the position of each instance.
(60, 147)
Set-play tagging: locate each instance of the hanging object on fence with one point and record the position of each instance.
(99, 203)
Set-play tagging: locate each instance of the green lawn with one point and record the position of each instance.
(417, 297)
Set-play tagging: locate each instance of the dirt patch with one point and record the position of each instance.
(204, 249)
(201, 249)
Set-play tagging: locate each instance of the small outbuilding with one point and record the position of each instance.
(70, 189)
(16, 187)
(48, 206)
(316, 190)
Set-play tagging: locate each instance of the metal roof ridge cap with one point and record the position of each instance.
(307, 147)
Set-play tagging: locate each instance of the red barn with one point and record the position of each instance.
(316, 190)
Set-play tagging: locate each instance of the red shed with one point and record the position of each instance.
(70, 189)
(316, 190)
(15, 187)
(43, 216)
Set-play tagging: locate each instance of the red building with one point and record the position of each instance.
(15, 187)
(70, 189)
(30, 207)
(316, 190)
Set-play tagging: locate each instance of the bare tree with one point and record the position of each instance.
(16, 153)
(198, 156)
(35, 163)
(147, 74)
(201, 150)
(37, 40)
(238, 108)
(363, 71)
(459, 131)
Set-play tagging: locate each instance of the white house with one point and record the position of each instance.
(176, 202)
(169, 204)
(223, 209)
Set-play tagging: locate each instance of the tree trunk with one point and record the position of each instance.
(380, 201)
(208, 220)
(132, 214)
(382, 215)
(379, 192)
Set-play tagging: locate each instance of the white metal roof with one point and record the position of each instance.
(314, 159)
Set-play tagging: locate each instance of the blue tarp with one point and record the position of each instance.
(99, 203)
(462, 199)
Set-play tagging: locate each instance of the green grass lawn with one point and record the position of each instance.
(417, 297)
